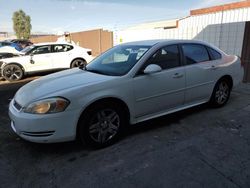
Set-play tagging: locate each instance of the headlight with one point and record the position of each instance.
(47, 106)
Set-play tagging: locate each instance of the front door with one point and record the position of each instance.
(158, 92)
(40, 59)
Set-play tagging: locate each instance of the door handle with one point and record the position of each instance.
(213, 67)
(177, 75)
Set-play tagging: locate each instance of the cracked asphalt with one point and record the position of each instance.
(198, 147)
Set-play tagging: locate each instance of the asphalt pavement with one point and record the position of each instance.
(198, 147)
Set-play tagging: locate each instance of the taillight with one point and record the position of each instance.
(89, 52)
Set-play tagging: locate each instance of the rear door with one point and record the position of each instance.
(201, 67)
(61, 56)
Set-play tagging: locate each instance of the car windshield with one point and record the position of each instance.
(117, 61)
(27, 49)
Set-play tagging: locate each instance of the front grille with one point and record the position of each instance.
(17, 106)
(38, 134)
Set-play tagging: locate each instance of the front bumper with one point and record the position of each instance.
(49, 128)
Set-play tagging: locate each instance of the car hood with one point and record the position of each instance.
(18, 59)
(47, 85)
(9, 49)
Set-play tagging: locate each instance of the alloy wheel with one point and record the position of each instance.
(104, 125)
(222, 93)
(78, 63)
(12, 72)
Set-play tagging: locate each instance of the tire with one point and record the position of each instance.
(78, 62)
(101, 125)
(12, 72)
(221, 93)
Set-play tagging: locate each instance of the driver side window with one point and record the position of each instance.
(41, 50)
(167, 57)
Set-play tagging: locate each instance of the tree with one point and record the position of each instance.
(21, 24)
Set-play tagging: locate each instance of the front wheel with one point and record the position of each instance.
(101, 125)
(12, 72)
(221, 93)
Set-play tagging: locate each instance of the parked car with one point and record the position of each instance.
(129, 83)
(10, 44)
(4, 43)
(44, 57)
(22, 42)
(11, 48)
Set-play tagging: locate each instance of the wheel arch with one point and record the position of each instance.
(15, 63)
(114, 100)
(228, 78)
(76, 59)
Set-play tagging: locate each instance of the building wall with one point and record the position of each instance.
(96, 40)
(228, 36)
(227, 16)
(49, 38)
(224, 29)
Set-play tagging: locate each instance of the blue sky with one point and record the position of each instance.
(53, 16)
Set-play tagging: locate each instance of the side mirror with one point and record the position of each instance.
(152, 68)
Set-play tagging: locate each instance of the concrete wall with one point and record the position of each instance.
(224, 29)
(228, 36)
(97, 40)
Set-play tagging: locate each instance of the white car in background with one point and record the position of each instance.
(129, 83)
(44, 57)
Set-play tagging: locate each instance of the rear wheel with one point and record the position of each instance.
(78, 63)
(101, 125)
(221, 93)
(12, 72)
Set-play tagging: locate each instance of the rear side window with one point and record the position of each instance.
(62, 48)
(195, 53)
(214, 54)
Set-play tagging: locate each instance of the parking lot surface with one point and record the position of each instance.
(199, 147)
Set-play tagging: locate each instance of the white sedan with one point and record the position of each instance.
(129, 83)
(44, 57)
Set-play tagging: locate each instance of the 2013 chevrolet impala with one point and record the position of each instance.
(129, 83)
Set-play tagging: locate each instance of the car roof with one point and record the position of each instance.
(51, 43)
(164, 41)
